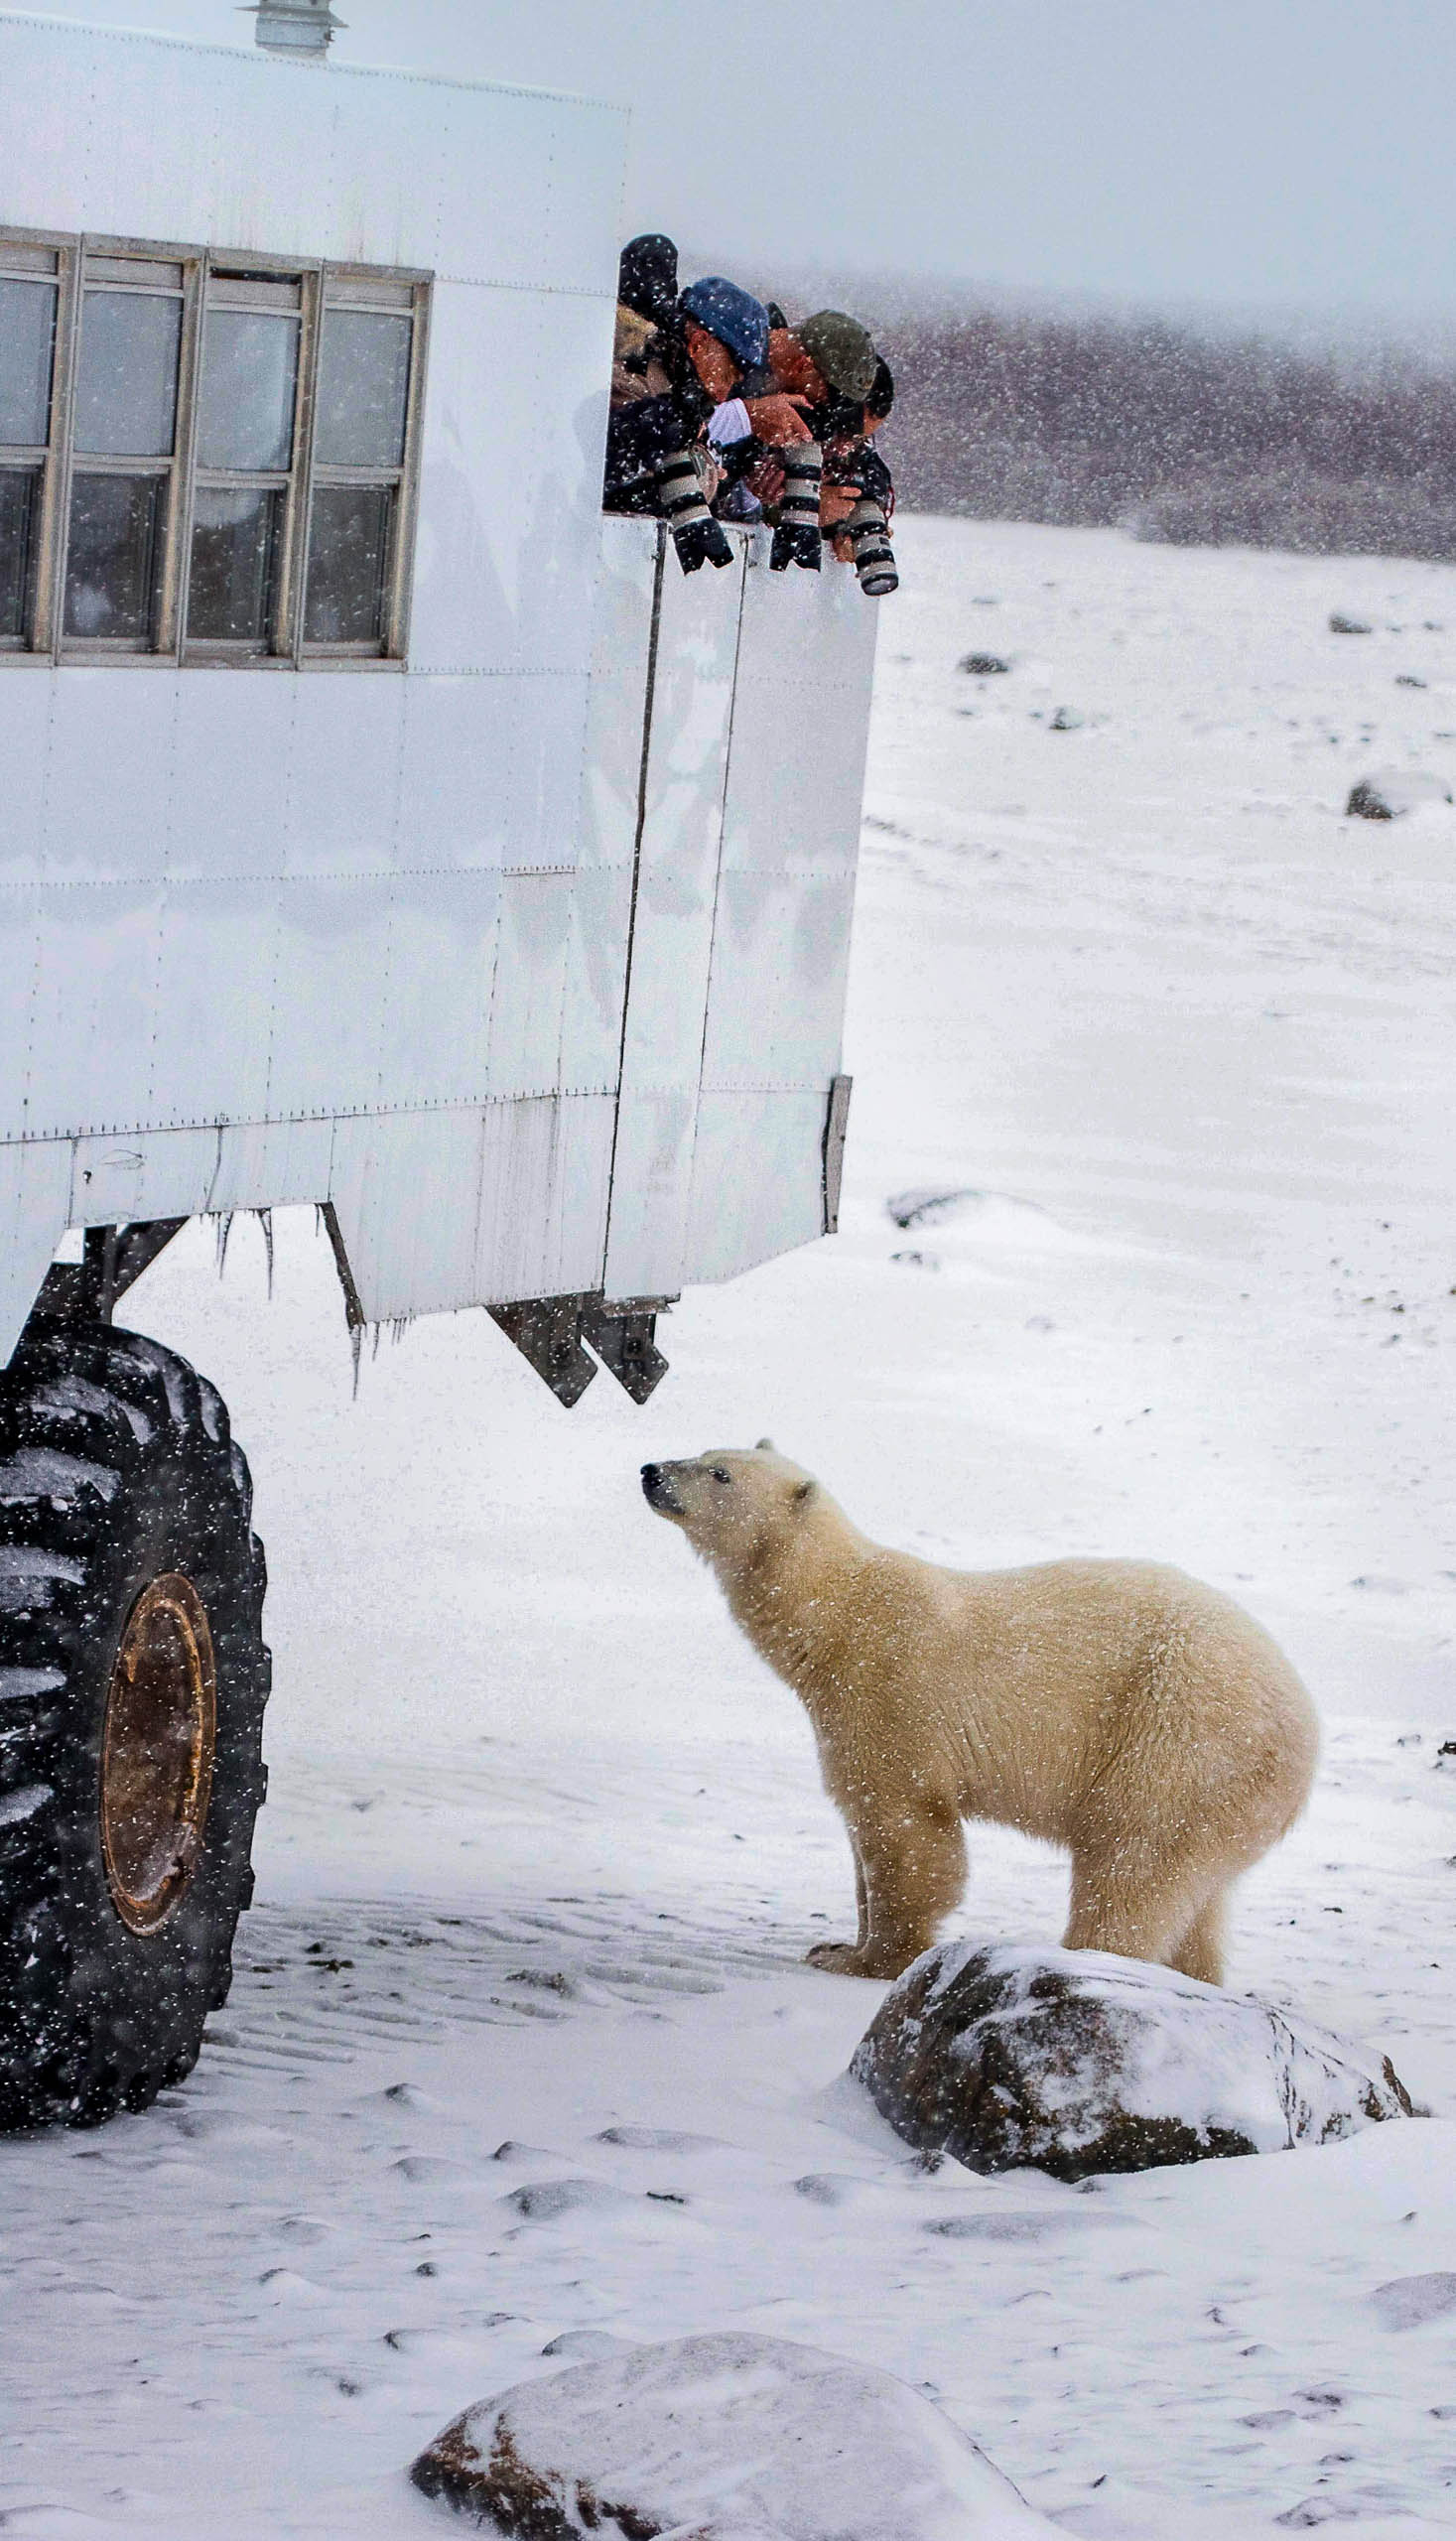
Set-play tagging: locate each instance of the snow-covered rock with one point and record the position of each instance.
(1074, 2062)
(1388, 795)
(722, 2437)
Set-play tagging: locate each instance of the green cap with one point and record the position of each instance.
(841, 349)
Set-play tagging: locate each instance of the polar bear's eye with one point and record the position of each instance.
(720, 1474)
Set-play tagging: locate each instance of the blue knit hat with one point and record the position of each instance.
(735, 317)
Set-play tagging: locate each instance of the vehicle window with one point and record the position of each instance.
(364, 385)
(27, 341)
(112, 556)
(347, 565)
(126, 387)
(28, 306)
(236, 480)
(126, 377)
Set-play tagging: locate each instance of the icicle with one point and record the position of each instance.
(265, 1221)
(223, 1224)
(355, 1347)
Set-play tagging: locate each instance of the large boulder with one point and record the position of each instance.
(1074, 2062)
(726, 2437)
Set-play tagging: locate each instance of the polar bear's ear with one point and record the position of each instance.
(765, 1448)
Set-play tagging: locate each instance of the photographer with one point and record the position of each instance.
(679, 362)
(839, 488)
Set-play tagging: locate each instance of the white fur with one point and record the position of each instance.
(1118, 1708)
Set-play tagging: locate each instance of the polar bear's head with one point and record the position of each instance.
(729, 1501)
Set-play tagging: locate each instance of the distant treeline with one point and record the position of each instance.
(1177, 436)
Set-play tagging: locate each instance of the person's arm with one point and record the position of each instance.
(728, 423)
(778, 419)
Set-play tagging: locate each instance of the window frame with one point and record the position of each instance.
(322, 284)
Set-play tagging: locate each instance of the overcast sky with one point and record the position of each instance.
(1239, 153)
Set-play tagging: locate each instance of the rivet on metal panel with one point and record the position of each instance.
(836, 1125)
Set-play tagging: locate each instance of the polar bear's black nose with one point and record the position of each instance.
(650, 1479)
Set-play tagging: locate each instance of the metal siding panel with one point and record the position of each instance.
(757, 1182)
(276, 1166)
(775, 1000)
(530, 983)
(370, 165)
(510, 481)
(169, 1176)
(25, 720)
(450, 1209)
(232, 752)
(612, 755)
(779, 959)
(672, 934)
(21, 1079)
(94, 1007)
(543, 1196)
(171, 1173)
(406, 1194)
(329, 985)
(594, 978)
(436, 997)
(490, 771)
(800, 723)
(108, 784)
(343, 775)
(215, 948)
(35, 1182)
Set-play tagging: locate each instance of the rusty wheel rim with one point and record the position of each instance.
(156, 1750)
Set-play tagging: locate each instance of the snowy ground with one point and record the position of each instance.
(545, 1844)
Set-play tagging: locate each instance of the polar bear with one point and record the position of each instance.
(1118, 1708)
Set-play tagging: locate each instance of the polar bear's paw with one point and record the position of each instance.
(844, 1958)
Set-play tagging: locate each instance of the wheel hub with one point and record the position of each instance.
(157, 1750)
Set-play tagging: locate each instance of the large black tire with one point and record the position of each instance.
(125, 1512)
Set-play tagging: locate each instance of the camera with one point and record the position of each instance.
(867, 526)
(796, 540)
(696, 535)
(870, 544)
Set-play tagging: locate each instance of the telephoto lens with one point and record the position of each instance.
(870, 541)
(796, 541)
(697, 536)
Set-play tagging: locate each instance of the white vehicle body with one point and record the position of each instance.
(525, 951)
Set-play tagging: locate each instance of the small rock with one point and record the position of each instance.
(1409, 679)
(722, 2437)
(1074, 2062)
(1343, 625)
(545, 2200)
(1388, 796)
(1067, 718)
(1408, 2302)
(983, 665)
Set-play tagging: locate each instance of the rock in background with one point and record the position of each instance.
(1074, 2062)
(1388, 795)
(726, 2437)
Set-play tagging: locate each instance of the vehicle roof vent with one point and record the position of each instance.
(295, 26)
